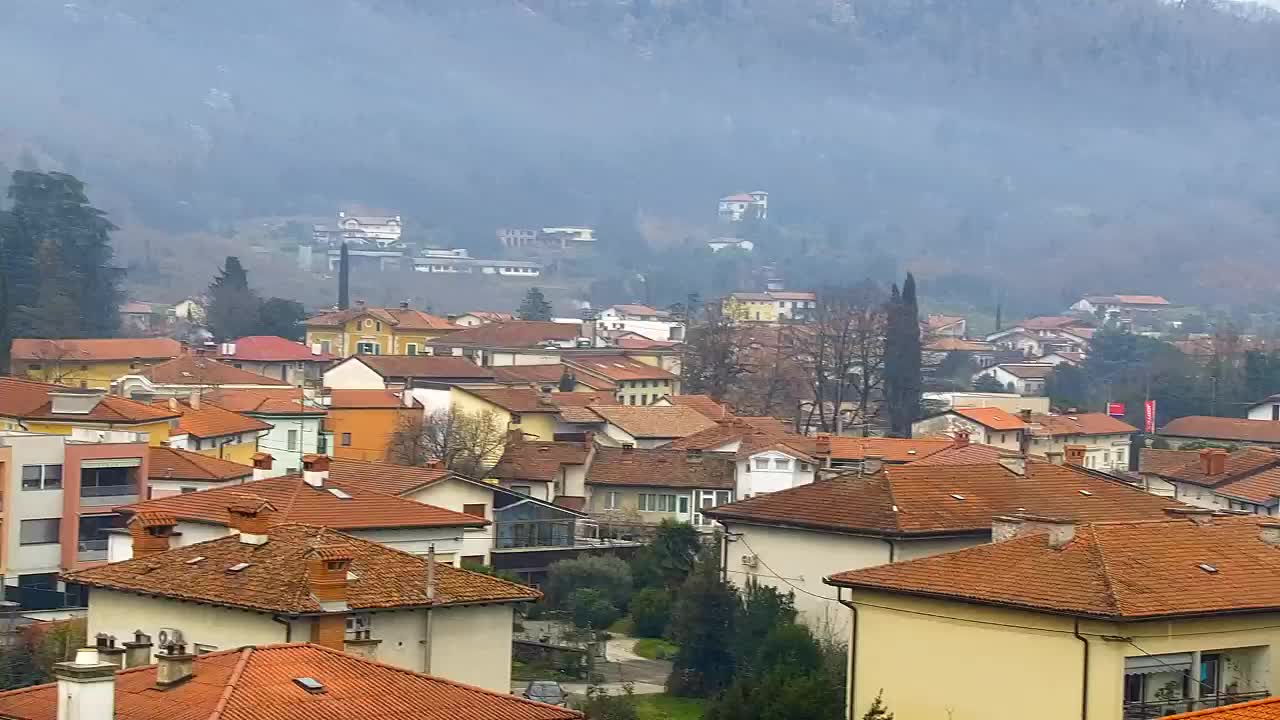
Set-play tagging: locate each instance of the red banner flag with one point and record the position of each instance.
(1149, 410)
(1115, 409)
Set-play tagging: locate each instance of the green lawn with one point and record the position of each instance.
(655, 649)
(622, 626)
(667, 707)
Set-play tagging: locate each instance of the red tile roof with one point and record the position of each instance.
(952, 344)
(1159, 462)
(275, 578)
(400, 318)
(28, 399)
(894, 450)
(549, 374)
(1079, 424)
(364, 399)
(1028, 371)
(1240, 463)
(991, 417)
(490, 316)
(522, 400)
(967, 454)
(1220, 428)
(538, 460)
(383, 477)
(95, 349)
(513, 334)
(210, 421)
(200, 370)
(425, 366)
(917, 499)
(257, 683)
(1120, 571)
(297, 502)
(638, 342)
(1264, 709)
(166, 463)
(261, 401)
(620, 368)
(661, 467)
(273, 348)
(636, 310)
(703, 404)
(654, 421)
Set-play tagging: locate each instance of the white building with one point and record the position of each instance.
(1021, 378)
(740, 206)
(458, 260)
(730, 243)
(380, 230)
(1268, 409)
(642, 320)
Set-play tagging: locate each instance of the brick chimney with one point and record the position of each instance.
(86, 687)
(822, 444)
(315, 470)
(262, 465)
(174, 665)
(1006, 527)
(1213, 461)
(872, 464)
(194, 399)
(150, 532)
(1074, 454)
(961, 438)
(250, 517)
(1025, 415)
(327, 569)
(138, 652)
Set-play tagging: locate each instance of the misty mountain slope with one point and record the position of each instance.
(1099, 141)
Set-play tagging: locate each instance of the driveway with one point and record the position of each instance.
(620, 666)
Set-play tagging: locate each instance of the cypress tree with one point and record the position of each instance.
(344, 278)
(902, 380)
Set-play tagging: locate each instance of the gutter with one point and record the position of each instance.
(1084, 672)
(853, 651)
(288, 629)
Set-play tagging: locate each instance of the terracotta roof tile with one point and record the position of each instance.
(1240, 463)
(383, 477)
(425, 366)
(967, 454)
(918, 499)
(1079, 424)
(166, 463)
(514, 333)
(639, 342)
(272, 348)
(211, 421)
(1159, 462)
(198, 370)
(660, 467)
(275, 579)
(538, 460)
(297, 502)
(894, 450)
(517, 400)
(1122, 570)
(1028, 371)
(364, 399)
(952, 344)
(257, 682)
(95, 349)
(490, 315)
(1264, 709)
(655, 421)
(1261, 487)
(991, 417)
(703, 404)
(261, 401)
(549, 374)
(1220, 428)
(619, 368)
(401, 318)
(29, 399)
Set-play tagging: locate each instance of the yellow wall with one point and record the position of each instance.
(942, 659)
(238, 452)
(342, 341)
(157, 432)
(749, 310)
(72, 373)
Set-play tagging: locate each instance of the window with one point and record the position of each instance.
(723, 497)
(186, 490)
(684, 504)
(631, 400)
(41, 477)
(471, 562)
(474, 509)
(39, 532)
(368, 323)
(411, 349)
(35, 366)
(657, 503)
(805, 467)
(612, 501)
(366, 348)
(521, 489)
(292, 442)
(782, 463)
(324, 346)
(1004, 438)
(762, 463)
(358, 626)
(346, 439)
(515, 418)
(1275, 412)
(1119, 457)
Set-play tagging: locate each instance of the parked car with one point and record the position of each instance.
(546, 691)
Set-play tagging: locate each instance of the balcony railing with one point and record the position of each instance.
(1160, 708)
(90, 550)
(108, 494)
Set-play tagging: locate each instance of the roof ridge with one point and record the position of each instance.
(230, 687)
(1095, 548)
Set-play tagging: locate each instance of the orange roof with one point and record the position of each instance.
(703, 404)
(297, 502)
(1159, 462)
(654, 421)
(913, 499)
(211, 421)
(1048, 322)
(952, 344)
(546, 374)
(1244, 461)
(1079, 424)
(967, 454)
(660, 467)
(400, 318)
(261, 401)
(936, 321)
(364, 399)
(200, 370)
(257, 682)
(383, 477)
(527, 460)
(1264, 709)
(275, 576)
(1028, 371)
(894, 450)
(991, 417)
(490, 315)
(166, 463)
(29, 400)
(95, 349)
(619, 368)
(518, 400)
(1220, 428)
(1120, 571)
(425, 366)
(273, 348)
(513, 333)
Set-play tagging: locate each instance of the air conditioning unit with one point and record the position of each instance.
(169, 636)
(750, 560)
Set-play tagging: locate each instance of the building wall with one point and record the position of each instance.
(1265, 411)
(22, 505)
(238, 448)
(370, 428)
(752, 480)
(79, 373)
(1102, 452)
(120, 614)
(74, 506)
(455, 495)
(645, 392)
(949, 424)
(353, 375)
(418, 541)
(749, 310)
(472, 645)
(157, 432)
(628, 503)
(307, 432)
(120, 544)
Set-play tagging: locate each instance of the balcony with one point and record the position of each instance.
(109, 495)
(91, 550)
(1166, 684)
(1159, 708)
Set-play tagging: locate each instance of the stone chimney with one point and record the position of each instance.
(872, 464)
(327, 569)
(315, 470)
(194, 399)
(1213, 461)
(174, 665)
(108, 651)
(822, 444)
(1269, 533)
(1015, 463)
(961, 438)
(1199, 516)
(262, 465)
(138, 652)
(151, 532)
(1006, 527)
(250, 517)
(174, 405)
(86, 687)
(1074, 454)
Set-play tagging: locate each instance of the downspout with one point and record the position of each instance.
(1084, 671)
(288, 628)
(853, 650)
(892, 548)
(431, 598)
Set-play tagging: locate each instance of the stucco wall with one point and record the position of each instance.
(351, 374)
(473, 645)
(119, 614)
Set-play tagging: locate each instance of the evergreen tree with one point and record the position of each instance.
(701, 621)
(878, 711)
(535, 306)
(278, 316)
(902, 361)
(344, 278)
(234, 310)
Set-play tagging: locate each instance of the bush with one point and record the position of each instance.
(607, 575)
(599, 705)
(591, 609)
(650, 612)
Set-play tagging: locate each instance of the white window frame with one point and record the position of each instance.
(45, 482)
(375, 348)
(761, 463)
(291, 440)
(612, 500)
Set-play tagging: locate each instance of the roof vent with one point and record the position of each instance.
(1208, 568)
(957, 496)
(895, 508)
(195, 560)
(340, 494)
(309, 684)
(1086, 493)
(238, 567)
(911, 452)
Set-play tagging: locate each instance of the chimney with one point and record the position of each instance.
(822, 445)
(74, 401)
(86, 687)
(1025, 415)
(250, 516)
(262, 465)
(194, 399)
(150, 532)
(138, 652)
(1015, 463)
(315, 470)
(1199, 516)
(174, 665)
(872, 464)
(1213, 461)
(173, 405)
(431, 574)
(327, 569)
(961, 438)
(1074, 454)
(1269, 533)
(1007, 527)
(108, 651)
(404, 305)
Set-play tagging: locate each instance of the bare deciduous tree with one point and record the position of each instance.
(843, 351)
(466, 442)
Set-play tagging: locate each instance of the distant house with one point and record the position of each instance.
(945, 326)
(379, 230)
(364, 422)
(182, 376)
(276, 357)
(1126, 309)
(650, 485)
(144, 318)
(363, 330)
(501, 343)
(88, 362)
(769, 307)
(297, 423)
(211, 430)
(730, 243)
(473, 318)
(641, 320)
(1065, 357)
(741, 206)
(459, 260)
(1021, 378)
(1268, 409)
(1193, 428)
(1246, 479)
(636, 383)
(1039, 336)
(982, 425)
(383, 372)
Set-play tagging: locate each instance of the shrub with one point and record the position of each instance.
(591, 609)
(650, 612)
(607, 575)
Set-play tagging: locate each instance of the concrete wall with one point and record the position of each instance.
(119, 614)
(418, 541)
(351, 374)
(754, 480)
(455, 495)
(472, 645)
(120, 545)
(22, 505)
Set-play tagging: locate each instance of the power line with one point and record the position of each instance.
(743, 540)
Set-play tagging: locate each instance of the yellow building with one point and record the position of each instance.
(1103, 621)
(768, 307)
(44, 408)
(214, 431)
(375, 331)
(638, 382)
(529, 412)
(88, 363)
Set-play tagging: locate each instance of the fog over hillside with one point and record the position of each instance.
(1050, 146)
